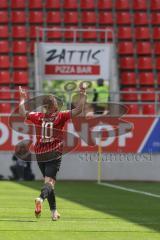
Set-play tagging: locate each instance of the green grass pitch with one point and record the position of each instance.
(88, 211)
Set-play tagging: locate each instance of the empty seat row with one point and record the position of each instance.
(142, 63)
(87, 4)
(16, 47)
(139, 33)
(143, 78)
(134, 94)
(39, 4)
(19, 62)
(123, 33)
(56, 4)
(146, 109)
(23, 32)
(124, 48)
(73, 17)
(18, 77)
(141, 48)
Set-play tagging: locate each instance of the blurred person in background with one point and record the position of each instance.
(21, 169)
(101, 96)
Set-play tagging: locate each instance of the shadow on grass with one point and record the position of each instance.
(139, 209)
(16, 220)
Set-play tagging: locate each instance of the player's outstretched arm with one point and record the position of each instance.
(78, 109)
(23, 97)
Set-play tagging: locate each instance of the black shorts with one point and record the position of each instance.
(51, 167)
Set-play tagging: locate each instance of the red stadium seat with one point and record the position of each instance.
(19, 32)
(90, 34)
(4, 47)
(156, 33)
(158, 63)
(141, 18)
(139, 5)
(133, 109)
(122, 5)
(54, 34)
(19, 47)
(88, 18)
(127, 63)
(5, 108)
(155, 18)
(36, 17)
(33, 32)
(20, 62)
(3, 4)
(4, 77)
(123, 18)
(4, 17)
(4, 62)
(69, 34)
(71, 18)
(87, 4)
(124, 33)
(148, 94)
(105, 5)
(53, 18)
(18, 17)
(128, 78)
(125, 48)
(144, 48)
(18, 4)
(70, 4)
(157, 48)
(20, 77)
(4, 32)
(108, 35)
(155, 5)
(50, 4)
(142, 33)
(146, 78)
(145, 63)
(129, 94)
(148, 109)
(5, 93)
(105, 18)
(35, 4)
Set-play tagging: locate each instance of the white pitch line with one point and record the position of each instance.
(130, 190)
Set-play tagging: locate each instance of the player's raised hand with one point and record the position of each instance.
(23, 94)
(82, 87)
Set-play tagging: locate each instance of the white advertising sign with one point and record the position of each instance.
(74, 61)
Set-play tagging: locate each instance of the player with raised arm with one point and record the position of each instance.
(48, 147)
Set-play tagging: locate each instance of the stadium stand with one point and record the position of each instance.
(136, 25)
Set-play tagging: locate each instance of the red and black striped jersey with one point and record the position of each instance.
(49, 130)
